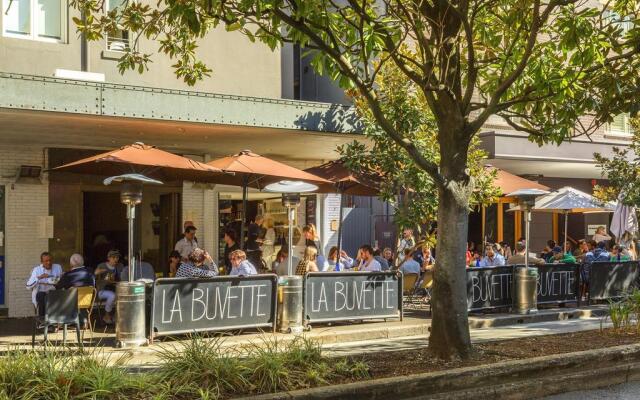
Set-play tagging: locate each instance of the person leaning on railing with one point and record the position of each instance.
(198, 265)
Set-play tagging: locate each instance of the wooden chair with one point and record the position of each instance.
(409, 286)
(86, 298)
(425, 286)
(61, 308)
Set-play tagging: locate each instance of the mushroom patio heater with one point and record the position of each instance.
(130, 306)
(290, 286)
(526, 278)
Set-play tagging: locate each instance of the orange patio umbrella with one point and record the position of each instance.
(253, 170)
(147, 160)
(510, 183)
(344, 180)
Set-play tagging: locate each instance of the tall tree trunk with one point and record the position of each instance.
(450, 324)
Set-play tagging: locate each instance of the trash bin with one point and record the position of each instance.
(130, 314)
(525, 294)
(290, 304)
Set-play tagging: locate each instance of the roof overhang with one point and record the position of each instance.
(572, 159)
(53, 112)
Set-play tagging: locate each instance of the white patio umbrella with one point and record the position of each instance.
(624, 220)
(568, 200)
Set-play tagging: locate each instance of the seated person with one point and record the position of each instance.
(345, 263)
(198, 266)
(547, 252)
(599, 254)
(107, 274)
(427, 259)
(174, 263)
(491, 258)
(560, 257)
(367, 261)
(518, 258)
(619, 253)
(143, 271)
(43, 279)
(308, 262)
(281, 264)
(384, 264)
(240, 266)
(409, 265)
(581, 250)
(78, 276)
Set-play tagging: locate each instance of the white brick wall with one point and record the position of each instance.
(24, 203)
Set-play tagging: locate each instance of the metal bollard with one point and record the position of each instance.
(290, 304)
(130, 319)
(525, 296)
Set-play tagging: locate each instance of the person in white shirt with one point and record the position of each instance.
(188, 243)
(240, 266)
(43, 279)
(409, 265)
(368, 263)
(407, 242)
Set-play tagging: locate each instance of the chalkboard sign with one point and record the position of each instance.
(489, 287)
(182, 305)
(339, 296)
(557, 283)
(610, 279)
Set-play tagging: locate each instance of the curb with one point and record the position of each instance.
(479, 322)
(511, 380)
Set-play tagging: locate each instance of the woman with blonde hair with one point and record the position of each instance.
(308, 263)
(312, 239)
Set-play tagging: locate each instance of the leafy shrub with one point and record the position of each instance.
(198, 368)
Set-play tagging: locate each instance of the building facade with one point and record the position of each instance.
(62, 99)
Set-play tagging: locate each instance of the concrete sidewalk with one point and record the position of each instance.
(410, 332)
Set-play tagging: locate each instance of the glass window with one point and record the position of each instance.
(34, 19)
(18, 18)
(620, 125)
(49, 19)
(119, 40)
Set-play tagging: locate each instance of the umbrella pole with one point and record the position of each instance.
(131, 215)
(566, 222)
(245, 189)
(340, 229)
(290, 211)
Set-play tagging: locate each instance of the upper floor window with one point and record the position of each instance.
(624, 23)
(620, 125)
(35, 19)
(118, 40)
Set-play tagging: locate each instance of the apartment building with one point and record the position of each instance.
(62, 99)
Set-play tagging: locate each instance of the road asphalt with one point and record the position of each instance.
(626, 391)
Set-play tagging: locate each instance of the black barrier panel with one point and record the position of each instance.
(557, 283)
(611, 279)
(339, 296)
(182, 305)
(489, 287)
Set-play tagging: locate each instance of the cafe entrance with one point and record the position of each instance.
(105, 226)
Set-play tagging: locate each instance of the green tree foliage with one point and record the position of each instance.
(407, 187)
(538, 64)
(622, 170)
